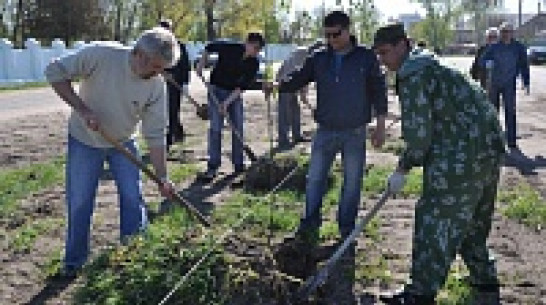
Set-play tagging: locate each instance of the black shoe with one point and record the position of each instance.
(207, 177)
(406, 298)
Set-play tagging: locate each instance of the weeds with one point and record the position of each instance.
(25, 236)
(525, 204)
(16, 184)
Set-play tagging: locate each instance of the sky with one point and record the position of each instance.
(393, 8)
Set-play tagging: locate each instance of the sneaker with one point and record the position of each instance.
(404, 297)
(207, 177)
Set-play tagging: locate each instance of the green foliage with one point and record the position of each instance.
(179, 172)
(53, 264)
(150, 265)
(457, 290)
(23, 239)
(524, 204)
(375, 181)
(16, 184)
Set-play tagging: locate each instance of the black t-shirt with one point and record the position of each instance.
(232, 70)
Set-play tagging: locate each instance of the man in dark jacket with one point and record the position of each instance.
(181, 74)
(509, 59)
(348, 81)
(476, 71)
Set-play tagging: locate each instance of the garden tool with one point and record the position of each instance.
(201, 110)
(312, 283)
(248, 151)
(177, 198)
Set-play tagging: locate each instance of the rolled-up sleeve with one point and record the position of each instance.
(154, 118)
(79, 64)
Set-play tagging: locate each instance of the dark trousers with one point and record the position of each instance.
(175, 126)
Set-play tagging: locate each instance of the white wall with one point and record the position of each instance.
(27, 65)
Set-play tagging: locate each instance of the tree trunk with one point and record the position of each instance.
(209, 12)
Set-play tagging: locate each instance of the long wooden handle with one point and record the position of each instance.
(177, 198)
(169, 77)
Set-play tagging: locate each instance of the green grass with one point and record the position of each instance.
(16, 184)
(150, 265)
(53, 264)
(24, 237)
(457, 290)
(523, 203)
(23, 86)
(375, 181)
(180, 172)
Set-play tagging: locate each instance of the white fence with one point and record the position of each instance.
(27, 65)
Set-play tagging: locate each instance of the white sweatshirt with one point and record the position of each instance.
(118, 97)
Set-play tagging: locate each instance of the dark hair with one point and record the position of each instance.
(337, 18)
(256, 37)
(166, 24)
(422, 44)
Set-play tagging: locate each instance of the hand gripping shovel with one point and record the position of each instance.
(177, 198)
(248, 151)
(315, 281)
(200, 109)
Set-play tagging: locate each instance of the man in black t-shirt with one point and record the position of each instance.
(234, 72)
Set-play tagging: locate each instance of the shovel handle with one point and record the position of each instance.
(176, 197)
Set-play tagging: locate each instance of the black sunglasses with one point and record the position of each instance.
(333, 34)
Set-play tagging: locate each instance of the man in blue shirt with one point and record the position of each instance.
(508, 58)
(349, 81)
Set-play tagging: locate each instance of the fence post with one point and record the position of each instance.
(6, 58)
(35, 55)
(58, 47)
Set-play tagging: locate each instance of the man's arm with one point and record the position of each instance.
(377, 95)
(416, 122)
(523, 66)
(60, 73)
(299, 77)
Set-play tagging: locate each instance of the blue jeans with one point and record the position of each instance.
(83, 169)
(326, 144)
(508, 93)
(289, 117)
(235, 113)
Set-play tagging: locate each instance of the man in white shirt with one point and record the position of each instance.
(119, 88)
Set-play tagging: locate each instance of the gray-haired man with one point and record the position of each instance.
(119, 88)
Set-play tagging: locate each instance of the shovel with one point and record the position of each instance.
(312, 283)
(200, 109)
(248, 151)
(177, 198)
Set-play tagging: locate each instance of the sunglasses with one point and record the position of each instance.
(335, 34)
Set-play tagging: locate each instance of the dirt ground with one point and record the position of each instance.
(28, 136)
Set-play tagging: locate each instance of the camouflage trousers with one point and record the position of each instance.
(450, 221)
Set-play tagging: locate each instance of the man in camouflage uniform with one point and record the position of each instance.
(450, 129)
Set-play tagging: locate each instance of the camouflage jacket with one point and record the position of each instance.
(447, 120)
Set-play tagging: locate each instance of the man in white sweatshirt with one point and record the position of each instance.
(119, 88)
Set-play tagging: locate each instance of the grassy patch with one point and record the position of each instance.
(53, 264)
(16, 184)
(180, 172)
(150, 265)
(375, 181)
(524, 204)
(24, 237)
(23, 86)
(371, 270)
(457, 290)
